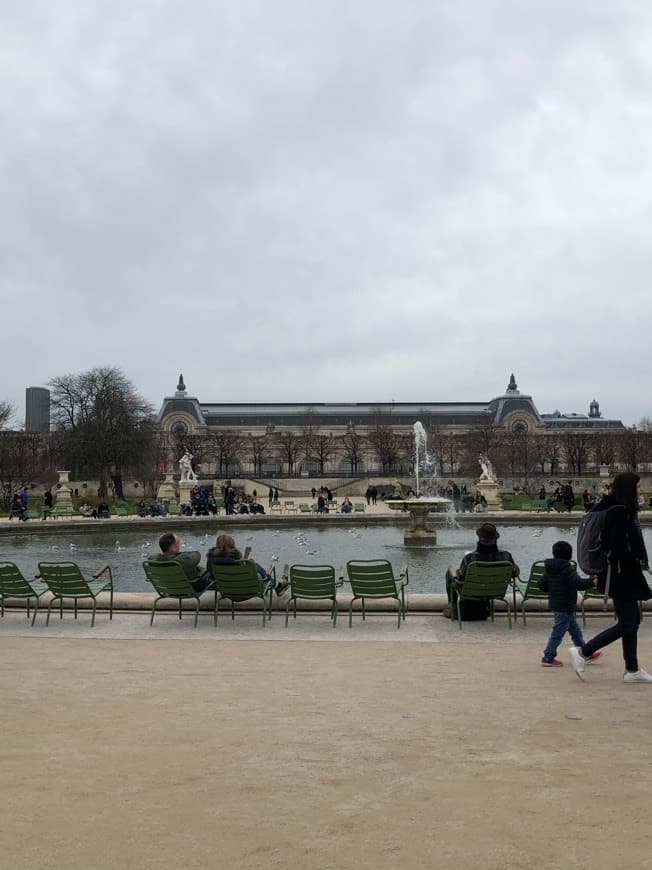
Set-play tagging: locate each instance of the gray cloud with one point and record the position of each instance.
(325, 201)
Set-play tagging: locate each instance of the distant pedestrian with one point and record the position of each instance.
(314, 493)
(368, 495)
(276, 496)
(374, 494)
(270, 496)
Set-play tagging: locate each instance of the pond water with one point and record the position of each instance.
(125, 550)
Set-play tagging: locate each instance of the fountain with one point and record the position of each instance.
(424, 502)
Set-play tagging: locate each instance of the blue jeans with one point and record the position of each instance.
(563, 622)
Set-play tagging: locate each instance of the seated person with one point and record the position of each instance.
(321, 505)
(155, 509)
(17, 508)
(346, 507)
(480, 503)
(225, 552)
(103, 510)
(171, 550)
(486, 551)
(87, 510)
(141, 509)
(256, 508)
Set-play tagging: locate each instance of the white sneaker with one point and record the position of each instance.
(578, 662)
(639, 676)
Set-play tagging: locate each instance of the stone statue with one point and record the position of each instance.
(487, 469)
(185, 467)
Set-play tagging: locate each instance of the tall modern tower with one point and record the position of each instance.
(37, 409)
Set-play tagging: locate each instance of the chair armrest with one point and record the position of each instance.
(101, 571)
(271, 571)
(404, 576)
(340, 576)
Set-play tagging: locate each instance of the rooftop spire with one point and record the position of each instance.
(512, 386)
(181, 387)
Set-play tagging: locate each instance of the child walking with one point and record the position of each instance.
(562, 582)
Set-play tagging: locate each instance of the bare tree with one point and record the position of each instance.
(289, 445)
(633, 447)
(603, 447)
(577, 447)
(352, 445)
(385, 441)
(549, 449)
(257, 449)
(6, 413)
(104, 423)
(226, 446)
(23, 460)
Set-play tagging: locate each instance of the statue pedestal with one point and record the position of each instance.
(167, 489)
(63, 498)
(185, 488)
(489, 489)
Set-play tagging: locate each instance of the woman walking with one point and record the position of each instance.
(623, 541)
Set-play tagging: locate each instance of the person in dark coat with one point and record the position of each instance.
(562, 582)
(623, 541)
(485, 551)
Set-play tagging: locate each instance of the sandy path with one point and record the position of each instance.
(237, 754)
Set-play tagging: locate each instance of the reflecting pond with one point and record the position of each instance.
(125, 550)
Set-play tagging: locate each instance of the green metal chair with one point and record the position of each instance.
(529, 589)
(240, 582)
(316, 583)
(170, 581)
(65, 580)
(14, 585)
(374, 578)
(485, 581)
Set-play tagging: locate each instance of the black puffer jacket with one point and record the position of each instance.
(562, 582)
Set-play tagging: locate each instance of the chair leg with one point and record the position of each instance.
(61, 607)
(287, 611)
(75, 608)
(351, 613)
(179, 608)
(398, 601)
(151, 619)
(47, 621)
(217, 598)
(364, 616)
(94, 610)
(28, 608)
(334, 612)
(36, 603)
(111, 600)
(197, 611)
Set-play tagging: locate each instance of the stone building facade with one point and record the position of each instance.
(276, 439)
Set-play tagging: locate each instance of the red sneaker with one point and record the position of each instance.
(551, 663)
(596, 655)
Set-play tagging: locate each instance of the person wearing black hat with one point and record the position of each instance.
(486, 551)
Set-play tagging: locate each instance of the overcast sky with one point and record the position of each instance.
(330, 201)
